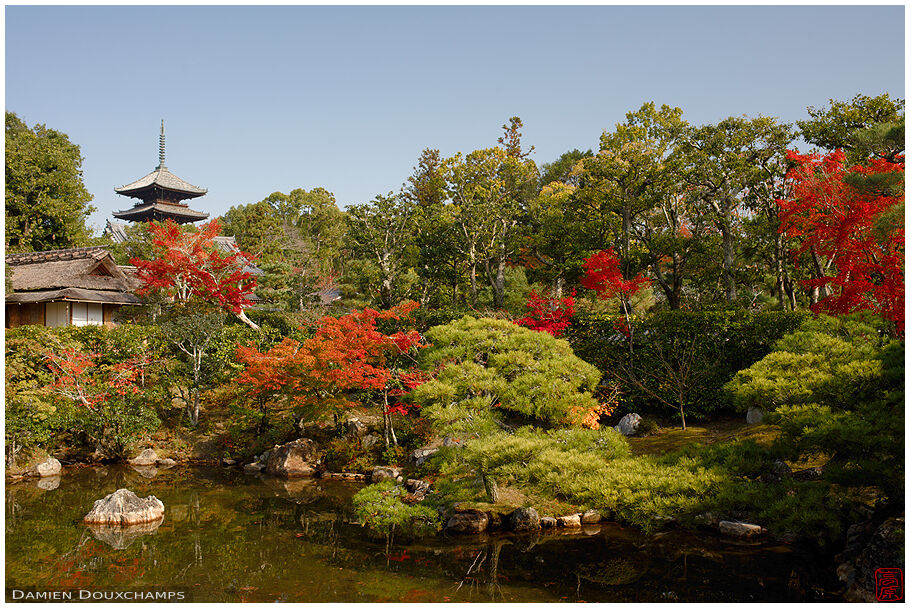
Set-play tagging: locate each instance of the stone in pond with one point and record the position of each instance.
(253, 467)
(124, 508)
(148, 457)
(166, 463)
(468, 522)
(591, 517)
(523, 519)
(569, 521)
(295, 459)
(628, 425)
(547, 522)
(49, 468)
(739, 529)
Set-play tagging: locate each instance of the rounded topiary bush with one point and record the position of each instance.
(485, 366)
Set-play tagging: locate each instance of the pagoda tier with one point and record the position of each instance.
(160, 193)
(158, 211)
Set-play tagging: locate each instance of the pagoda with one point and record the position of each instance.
(160, 194)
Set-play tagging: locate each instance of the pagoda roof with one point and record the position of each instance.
(163, 179)
(158, 210)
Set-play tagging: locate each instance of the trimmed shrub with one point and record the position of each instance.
(488, 366)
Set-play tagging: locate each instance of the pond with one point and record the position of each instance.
(230, 537)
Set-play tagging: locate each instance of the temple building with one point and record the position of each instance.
(82, 286)
(160, 195)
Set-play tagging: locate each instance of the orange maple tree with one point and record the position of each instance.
(345, 354)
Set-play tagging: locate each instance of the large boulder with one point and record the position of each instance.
(370, 440)
(524, 519)
(382, 473)
(48, 468)
(628, 425)
(468, 522)
(124, 508)
(148, 457)
(294, 459)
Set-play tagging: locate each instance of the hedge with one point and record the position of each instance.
(714, 344)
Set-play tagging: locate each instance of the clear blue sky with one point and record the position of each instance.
(258, 100)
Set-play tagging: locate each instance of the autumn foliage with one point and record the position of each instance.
(189, 265)
(79, 377)
(549, 314)
(346, 353)
(833, 220)
(603, 275)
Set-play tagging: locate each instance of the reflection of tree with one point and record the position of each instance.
(489, 552)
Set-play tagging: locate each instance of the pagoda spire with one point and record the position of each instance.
(161, 147)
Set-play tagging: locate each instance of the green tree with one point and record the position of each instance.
(438, 262)
(491, 189)
(722, 163)
(46, 201)
(836, 126)
(192, 330)
(382, 232)
(492, 369)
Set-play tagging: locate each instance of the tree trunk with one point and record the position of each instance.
(499, 284)
(682, 414)
(473, 274)
(729, 282)
(193, 408)
(489, 484)
(559, 285)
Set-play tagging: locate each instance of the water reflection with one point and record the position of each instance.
(49, 483)
(121, 537)
(147, 471)
(233, 537)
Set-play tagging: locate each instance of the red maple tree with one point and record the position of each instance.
(549, 314)
(188, 265)
(79, 377)
(603, 275)
(856, 268)
(345, 353)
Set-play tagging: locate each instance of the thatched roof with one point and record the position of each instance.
(87, 274)
(72, 294)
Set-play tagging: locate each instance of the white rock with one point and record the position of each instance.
(49, 468)
(739, 529)
(146, 458)
(569, 521)
(754, 416)
(124, 508)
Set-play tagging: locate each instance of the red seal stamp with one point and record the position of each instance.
(889, 584)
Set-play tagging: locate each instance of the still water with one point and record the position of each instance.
(230, 537)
